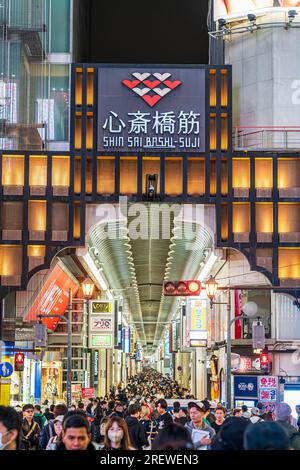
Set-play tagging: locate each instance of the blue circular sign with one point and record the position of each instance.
(6, 369)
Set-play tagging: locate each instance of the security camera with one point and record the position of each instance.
(94, 250)
(221, 23)
(251, 17)
(292, 14)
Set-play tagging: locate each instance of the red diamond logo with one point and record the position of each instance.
(151, 89)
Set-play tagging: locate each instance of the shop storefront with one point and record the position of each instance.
(51, 378)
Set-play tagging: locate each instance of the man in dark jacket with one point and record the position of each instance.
(136, 429)
(49, 431)
(30, 429)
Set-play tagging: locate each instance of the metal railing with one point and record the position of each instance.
(266, 137)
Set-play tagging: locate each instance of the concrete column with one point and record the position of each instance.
(109, 369)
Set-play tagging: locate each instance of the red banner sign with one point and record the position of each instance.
(88, 393)
(53, 298)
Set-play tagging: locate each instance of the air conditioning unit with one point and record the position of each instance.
(12, 190)
(37, 190)
(289, 237)
(59, 235)
(60, 190)
(241, 237)
(11, 234)
(264, 192)
(37, 235)
(289, 192)
(11, 280)
(241, 192)
(264, 237)
(35, 261)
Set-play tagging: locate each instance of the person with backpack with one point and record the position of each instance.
(49, 430)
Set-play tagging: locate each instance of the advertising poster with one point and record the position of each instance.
(53, 298)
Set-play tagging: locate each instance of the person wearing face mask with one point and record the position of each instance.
(10, 428)
(116, 435)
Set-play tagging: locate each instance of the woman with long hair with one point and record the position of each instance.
(116, 435)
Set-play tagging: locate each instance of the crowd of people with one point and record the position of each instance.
(138, 417)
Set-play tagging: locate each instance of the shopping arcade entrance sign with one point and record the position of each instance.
(151, 109)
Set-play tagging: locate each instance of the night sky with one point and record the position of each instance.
(169, 31)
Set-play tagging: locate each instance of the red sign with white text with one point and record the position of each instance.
(53, 298)
(88, 393)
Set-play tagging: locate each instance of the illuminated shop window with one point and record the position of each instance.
(60, 175)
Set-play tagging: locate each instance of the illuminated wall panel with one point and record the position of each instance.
(128, 175)
(37, 215)
(264, 217)
(213, 177)
(288, 173)
(213, 88)
(36, 250)
(173, 176)
(263, 173)
(213, 132)
(241, 217)
(289, 263)
(12, 215)
(196, 176)
(61, 171)
(288, 217)
(77, 175)
(224, 87)
(37, 170)
(224, 132)
(90, 87)
(60, 216)
(76, 228)
(13, 170)
(240, 173)
(106, 175)
(10, 260)
(88, 176)
(224, 222)
(78, 87)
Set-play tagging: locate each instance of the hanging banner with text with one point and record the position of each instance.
(151, 108)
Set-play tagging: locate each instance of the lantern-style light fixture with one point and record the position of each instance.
(211, 287)
(87, 288)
